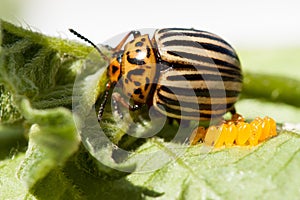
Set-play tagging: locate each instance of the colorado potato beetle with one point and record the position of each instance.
(186, 74)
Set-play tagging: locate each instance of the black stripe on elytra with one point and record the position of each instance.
(180, 29)
(135, 61)
(195, 34)
(200, 45)
(182, 113)
(135, 72)
(180, 66)
(194, 105)
(200, 92)
(204, 59)
(202, 77)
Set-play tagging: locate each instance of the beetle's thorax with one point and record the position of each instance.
(138, 69)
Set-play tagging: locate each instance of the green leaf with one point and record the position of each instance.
(31, 66)
(68, 182)
(52, 140)
(10, 186)
(269, 170)
(39, 67)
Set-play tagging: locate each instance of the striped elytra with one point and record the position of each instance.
(200, 77)
(184, 73)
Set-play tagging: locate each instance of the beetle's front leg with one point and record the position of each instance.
(123, 41)
(236, 118)
(116, 99)
(116, 105)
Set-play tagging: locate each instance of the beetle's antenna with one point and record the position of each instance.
(90, 42)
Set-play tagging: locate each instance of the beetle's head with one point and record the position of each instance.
(114, 68)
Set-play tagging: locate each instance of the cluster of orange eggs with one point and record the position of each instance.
(236, 133)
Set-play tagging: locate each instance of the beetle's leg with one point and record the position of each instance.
(197, 135)
(102, 106)
(120, 45)
(236, 118)
(116, 106)
(118, 99)
(232, 110)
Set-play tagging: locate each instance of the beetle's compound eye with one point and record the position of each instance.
(114, 70)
